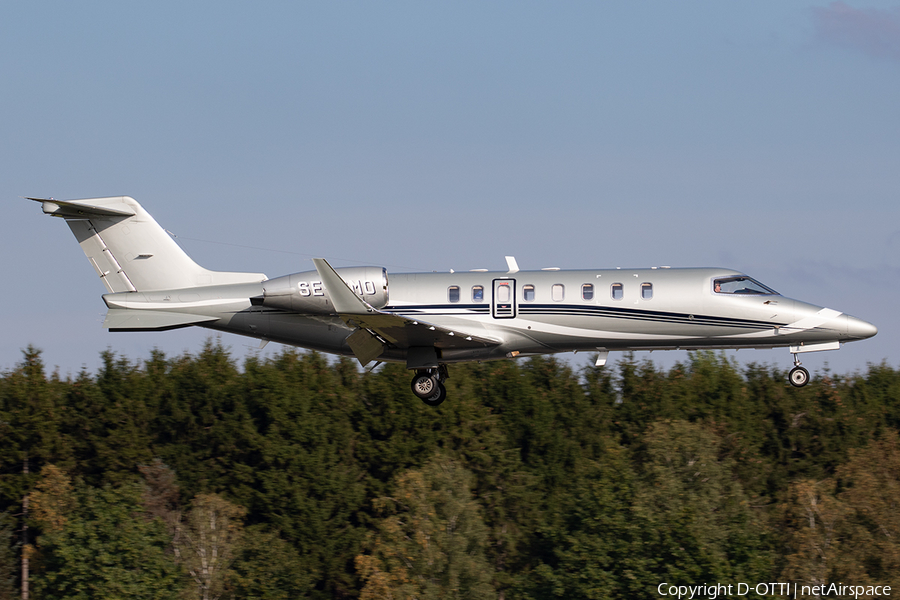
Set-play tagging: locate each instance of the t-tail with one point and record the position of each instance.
(130, 251)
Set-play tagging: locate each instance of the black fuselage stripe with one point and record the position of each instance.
(609, 312)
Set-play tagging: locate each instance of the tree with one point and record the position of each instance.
(430, 543)
(206, 542)
(8, 566)
(870, 488)
(664, 508)
(592, 543)
(265, 566)
(53, 499)
(109, 422)
(293, 464)
(268, 568)
(160, 497)
(29, 427)
(701, 526)
(96, 544)
(814, 520)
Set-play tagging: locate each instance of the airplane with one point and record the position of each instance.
(431, 320)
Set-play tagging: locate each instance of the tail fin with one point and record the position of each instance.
(129, 250)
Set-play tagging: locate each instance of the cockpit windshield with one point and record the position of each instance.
(741, 285)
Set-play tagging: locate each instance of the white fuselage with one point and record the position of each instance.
(537, 312)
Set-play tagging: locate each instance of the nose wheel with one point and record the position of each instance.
(798, 376)
(428, 385)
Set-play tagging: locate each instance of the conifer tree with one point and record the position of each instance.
(268, 568)
(96, 544)
(699, 523)
(294, 466)
(591, 544)
(109, 422)
(8, 563)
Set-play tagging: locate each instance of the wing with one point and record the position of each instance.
(377, 329)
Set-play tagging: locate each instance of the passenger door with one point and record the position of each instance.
(503, 300)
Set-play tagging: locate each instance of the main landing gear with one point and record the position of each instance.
(428, 386)
(798, 376)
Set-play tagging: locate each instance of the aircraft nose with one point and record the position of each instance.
(859, 329)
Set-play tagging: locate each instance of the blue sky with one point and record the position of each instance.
(762, 136)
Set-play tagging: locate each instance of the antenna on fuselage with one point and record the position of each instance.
(512, 264)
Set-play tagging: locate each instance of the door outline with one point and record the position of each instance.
(503, 299)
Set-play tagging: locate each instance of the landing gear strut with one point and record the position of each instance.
(798, 375)
(428, 386)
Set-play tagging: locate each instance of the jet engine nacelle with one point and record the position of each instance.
(306, 294)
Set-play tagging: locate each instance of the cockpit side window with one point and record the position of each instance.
(742, 285)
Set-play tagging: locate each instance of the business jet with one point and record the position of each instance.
(430, 320)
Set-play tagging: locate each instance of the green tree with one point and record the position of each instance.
(30, 429)
(292, 463)
(109, 422)
(870, 486)
(592, 543)
(30, 417)
(8, 563)
(430, 543)
(199, 416)
(96, 544)
(268, 568)
(701, 525)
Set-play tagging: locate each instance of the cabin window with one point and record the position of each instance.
(741, 285)
(558, 292)
(617, 291)
(528, 293)
(453, 293)
(646, 291)
(477, 293)
(587, 291)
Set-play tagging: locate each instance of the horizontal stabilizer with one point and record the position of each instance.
(74, 209)
(123, 319)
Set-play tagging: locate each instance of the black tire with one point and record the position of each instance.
(798, 377)
(439, 396)
(424, 386)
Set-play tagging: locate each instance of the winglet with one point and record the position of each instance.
(363, 343)
(512, 264)
(345, 300)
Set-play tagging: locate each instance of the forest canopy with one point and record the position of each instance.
(297, 476)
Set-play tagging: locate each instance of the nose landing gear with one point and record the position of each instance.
(428, 386)
(798, 376)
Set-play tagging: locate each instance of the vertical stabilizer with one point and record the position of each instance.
(128, 248)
